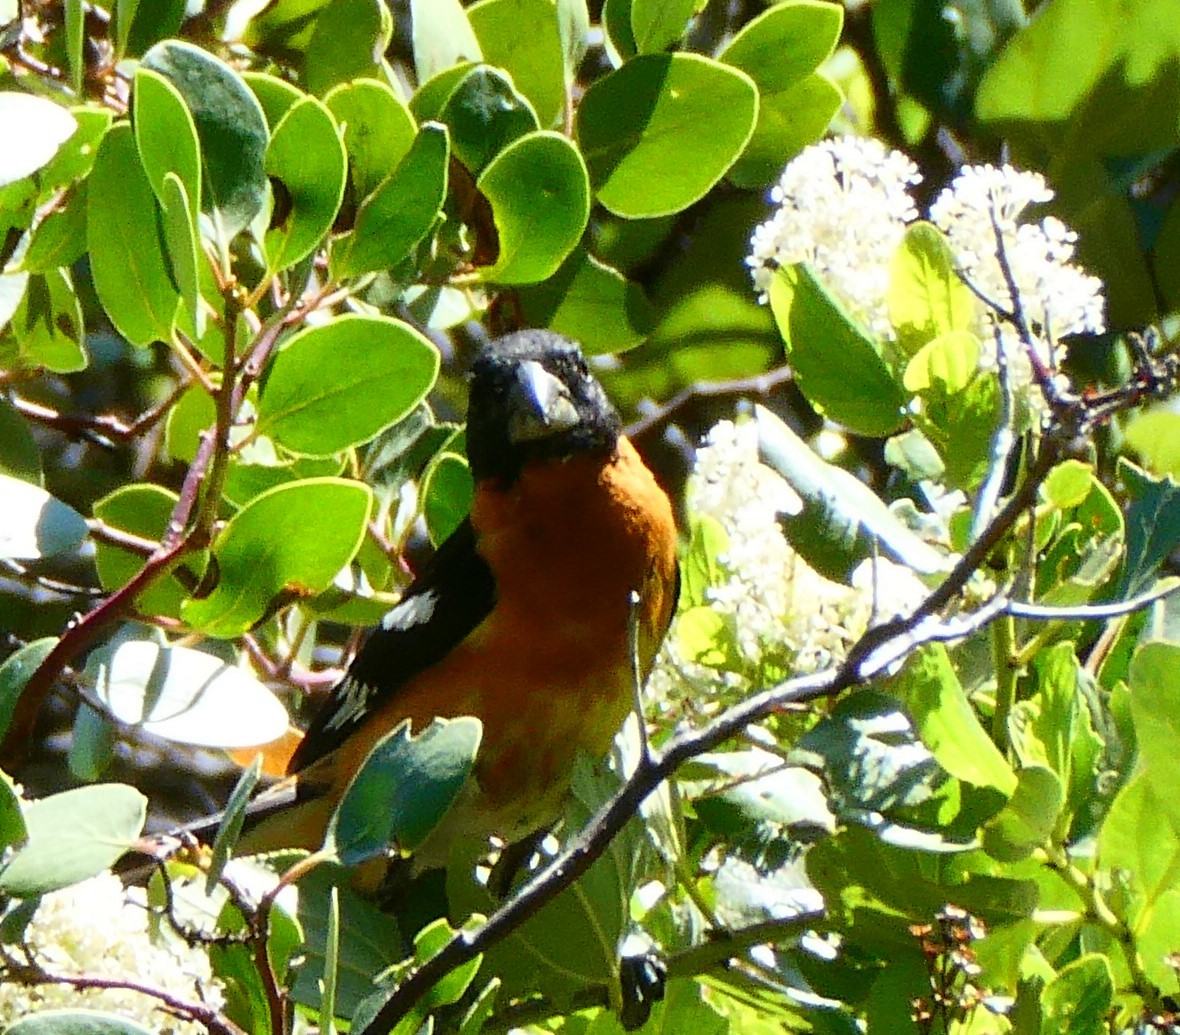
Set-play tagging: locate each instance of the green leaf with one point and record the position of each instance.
(378, 131)
(403, 790)
(948, 725)
(13, 830)
(1135, 843)
(184, 695)
(191, 414)
(658, 133)
(75, 26)
(48, 324)
(292, 539)
(447, 491)
(838, 366)
(180, 237)
(34, 524)
(591, 302)
(143, 510)
(1152, 433)
(16, 671)
(841, 521)
(127, 258)
(400, 212)
(307, 158)
(573, 22)
(73, 836)
(1154, 680)
(166, 136)
(524, 38)
(1153, 527)
(541, 957)
(657, 24)
(442, 37)
(485, 113)
(1027, 821)
(620, 40)
(229, 829)
(34, 131)
(230, 126)
(784, 44)
(75, 1022)
(140, 23)
(788, 120)
(944, 366)
(927, 298)
(19, 456)
(701, 568)
(1078, 1000)
(276, 96)
(339, 384)
(92, 744)
(60, 238)
(540, 198)
(349, 41)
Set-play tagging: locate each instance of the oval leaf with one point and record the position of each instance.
(837, 365)
(75, 1022)
(306, 156)
(73, 836)
(293, 538)
(184, 695)
(378, 131)
(401, 211)
(34, 524)
(662, 130)
(34, 129)
(166, 135)
(403, 790)
(540, 197)
(230, 126)
(127, 258)
(523, 37)
(17, 670)
(339, 384)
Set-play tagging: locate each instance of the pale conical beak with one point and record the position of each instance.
(539, 404)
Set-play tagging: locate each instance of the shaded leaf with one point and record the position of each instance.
(34, 131)
(184, 695)
(403, 790)
(230, 126)
(73, 836)
(34, 524)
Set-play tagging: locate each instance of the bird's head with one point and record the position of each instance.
(532, 399)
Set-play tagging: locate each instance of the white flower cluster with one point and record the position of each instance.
(783, 613)
(1057, 297)
(843, 208)
(100, 929)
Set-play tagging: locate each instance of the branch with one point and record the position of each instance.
(761, 385)
(214, 1020)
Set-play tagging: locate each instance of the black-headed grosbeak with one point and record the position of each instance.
(522, 618)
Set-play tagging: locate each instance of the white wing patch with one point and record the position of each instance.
(415, 610)
(352, 704)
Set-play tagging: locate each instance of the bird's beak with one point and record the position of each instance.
(539, 404)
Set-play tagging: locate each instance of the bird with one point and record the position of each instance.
(529, 616)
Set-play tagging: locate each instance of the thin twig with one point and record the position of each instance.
(762, 385)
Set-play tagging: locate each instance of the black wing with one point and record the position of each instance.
(453, 594)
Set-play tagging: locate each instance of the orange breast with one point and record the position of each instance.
(549, 671)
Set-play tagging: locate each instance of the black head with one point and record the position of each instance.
(533, 398)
